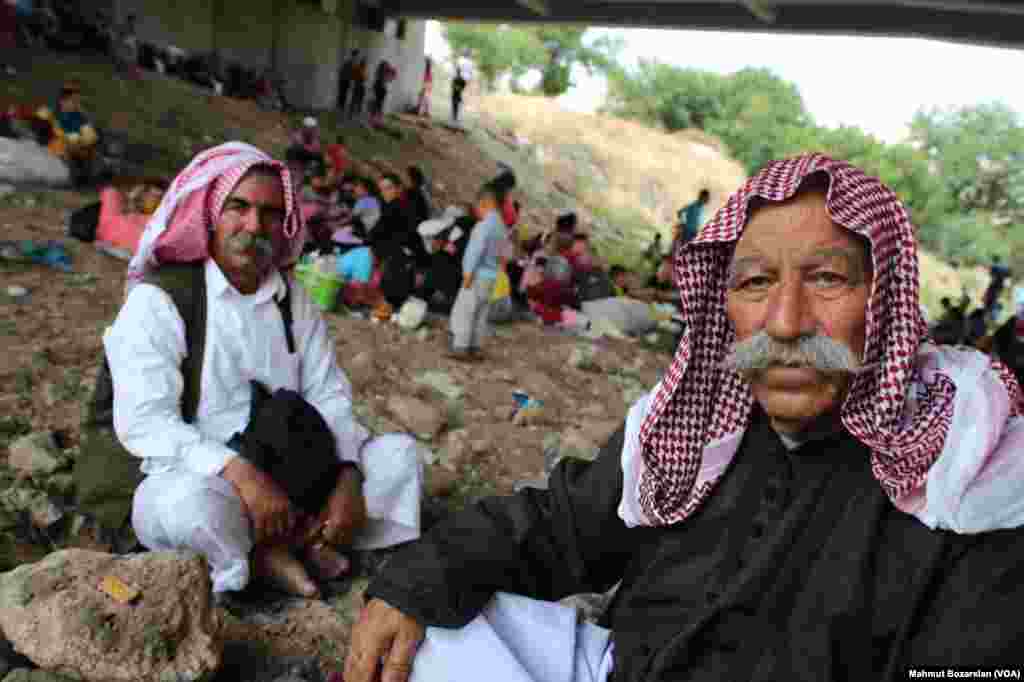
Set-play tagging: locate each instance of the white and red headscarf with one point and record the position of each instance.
(944, 425)
(179, 231)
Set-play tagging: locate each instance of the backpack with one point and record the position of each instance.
(105, 473)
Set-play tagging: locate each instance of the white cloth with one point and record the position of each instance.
(244, 341)
(516, 639)
(629, 315)
(184, 510)
(975, 486)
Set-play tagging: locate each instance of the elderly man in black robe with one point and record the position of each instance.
(815, 490)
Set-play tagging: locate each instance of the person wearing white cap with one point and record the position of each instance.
(306, 142)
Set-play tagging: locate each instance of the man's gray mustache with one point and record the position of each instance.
(243, 240)
(818, 352)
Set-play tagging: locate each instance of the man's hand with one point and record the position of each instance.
(467, 280)
(269, 509)
(345, 513)
(383, 644)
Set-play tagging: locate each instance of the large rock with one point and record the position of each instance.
(36, 454)
(54, 613)
(23, 162)
(424, 420)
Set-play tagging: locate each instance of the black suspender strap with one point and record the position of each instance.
(285, 306)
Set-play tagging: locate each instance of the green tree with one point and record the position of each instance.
(979, 152)
(665, 95)
(566, 48)
(552, 49)
(749, 110)
(496, 49)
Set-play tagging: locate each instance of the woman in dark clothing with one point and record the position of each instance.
(417, 197)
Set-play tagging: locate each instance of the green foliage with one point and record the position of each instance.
(961, 175)
(977, 152)
(499, 49)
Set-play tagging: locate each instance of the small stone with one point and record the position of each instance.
(44, 513)
(652, 338)
(16, 292)
(455, 450)
(441, 482)
(35, 454)
(423, 419)
(582, 357)
(423, 335)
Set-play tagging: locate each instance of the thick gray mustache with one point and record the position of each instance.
(244, 240)
(814, 352)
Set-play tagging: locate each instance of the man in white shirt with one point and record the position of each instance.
(235, 208)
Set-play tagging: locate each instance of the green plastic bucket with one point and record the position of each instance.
(322, 288)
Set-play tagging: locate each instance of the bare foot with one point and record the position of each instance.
(328, 564)
(277, 565)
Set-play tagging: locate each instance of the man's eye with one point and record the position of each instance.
(828, 279)
(754, 283)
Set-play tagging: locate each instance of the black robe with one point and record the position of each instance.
(797, 568)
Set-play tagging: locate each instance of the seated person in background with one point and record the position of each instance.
(771, 510)
(1008, 341)
(548, 282)
(395, 231)
(306, 141)
(74, 139)
(366, 212)
(337, 159)
(417, 196)
(951, 327)
(321, 207)
(125, 207)
(211, 485)
(446, 239)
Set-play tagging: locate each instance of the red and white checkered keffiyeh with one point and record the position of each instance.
(902, 408)
(179, 231)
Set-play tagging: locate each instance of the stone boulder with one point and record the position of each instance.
(55, 613)
(23, 162)
(424, 420)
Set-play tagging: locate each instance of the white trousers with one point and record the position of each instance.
(184, 510)
(516, 639)
(469, 321)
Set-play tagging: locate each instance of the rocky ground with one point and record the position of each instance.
(51, 324)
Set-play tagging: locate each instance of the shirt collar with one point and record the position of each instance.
(218, 285)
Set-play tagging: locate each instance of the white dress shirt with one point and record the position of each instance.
(245, 341)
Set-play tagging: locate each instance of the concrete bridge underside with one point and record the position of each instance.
(995, 22)
(307, 40)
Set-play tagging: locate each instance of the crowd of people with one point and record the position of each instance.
(388, 242)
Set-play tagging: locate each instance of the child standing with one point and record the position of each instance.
(480, 264)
